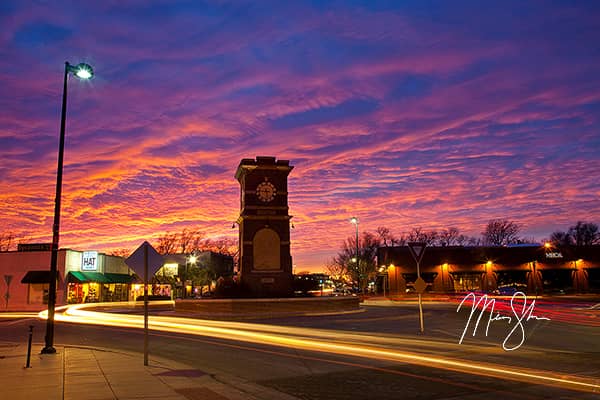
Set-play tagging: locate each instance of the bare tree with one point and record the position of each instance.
(420, 235)
(560, 238)
(366, 266)
(462, 240)
(224, 245)
(167, 243)
(186, 241)
(501, 232)
(399, 241)
(385, 237)
(584, 234)
(336, 271)
(7, 240)
(473, 241)
(449, 237)
(189, 239)
(121, 252)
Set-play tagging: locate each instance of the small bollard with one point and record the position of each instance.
(29, 346)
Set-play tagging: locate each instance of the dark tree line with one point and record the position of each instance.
(188, 241)
(498, 232)
(580, 234)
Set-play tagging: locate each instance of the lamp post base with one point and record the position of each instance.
(48, 350)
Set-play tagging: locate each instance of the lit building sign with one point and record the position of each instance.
(555, 254)
(169, 269)
(89, 261)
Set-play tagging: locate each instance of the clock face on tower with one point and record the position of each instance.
(265, 191)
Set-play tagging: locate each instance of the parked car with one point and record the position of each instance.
(510, 289)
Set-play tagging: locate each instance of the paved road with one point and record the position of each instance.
(549, 345)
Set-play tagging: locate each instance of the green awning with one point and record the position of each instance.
(119, 278)
(83, 277)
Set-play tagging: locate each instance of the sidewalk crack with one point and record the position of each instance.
(104, 375)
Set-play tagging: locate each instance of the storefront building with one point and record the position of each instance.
(95, 277)
(182, 275)
(533, 269)
(83, 277)
(91, 276)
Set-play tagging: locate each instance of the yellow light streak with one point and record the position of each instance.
(17, 315)
(332, 342)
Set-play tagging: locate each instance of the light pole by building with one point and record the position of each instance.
(82, 71)
(384, 273)
(486, 282)
(191, 260)
(444, 267)
(354, 220)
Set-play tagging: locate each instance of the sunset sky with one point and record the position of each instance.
(404, 113)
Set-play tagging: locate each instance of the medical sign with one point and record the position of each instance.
(89, 261)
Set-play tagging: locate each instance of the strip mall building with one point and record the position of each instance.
(83, 276)
(534, 269)
(91, 276)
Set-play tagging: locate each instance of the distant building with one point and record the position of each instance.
(534, 269)
(178, 272)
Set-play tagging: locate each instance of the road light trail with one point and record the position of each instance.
(332, 342)
(18, 315)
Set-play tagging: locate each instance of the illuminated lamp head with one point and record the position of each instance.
(82, 71)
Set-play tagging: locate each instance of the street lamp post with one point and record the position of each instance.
(192, 261)
(486, 282)
(354, 220)
(444, 266)
(384, 273)
(82, 71)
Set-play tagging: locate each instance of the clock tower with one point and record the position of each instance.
(264, 223)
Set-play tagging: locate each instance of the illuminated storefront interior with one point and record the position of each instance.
(90, 287)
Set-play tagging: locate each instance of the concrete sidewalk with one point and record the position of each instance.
(77, 373)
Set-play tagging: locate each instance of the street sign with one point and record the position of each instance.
(417, 249)
(145, 261)
(136, 260)
(420, 285)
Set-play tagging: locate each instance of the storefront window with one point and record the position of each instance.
(83, 292)
(115, 292)
(466, 281)
(557, 280)
(511, 278)
(75, 293)
(162, 290)
(510, 282)
(594, 279)
(38, 293)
